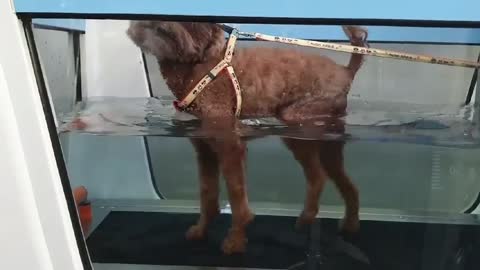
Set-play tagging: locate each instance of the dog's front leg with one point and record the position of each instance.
(231, 152)
(208, 168)
(232, 155)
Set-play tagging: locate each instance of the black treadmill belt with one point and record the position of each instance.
(159, 239)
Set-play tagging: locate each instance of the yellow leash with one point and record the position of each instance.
(366, 51)
(225, 63)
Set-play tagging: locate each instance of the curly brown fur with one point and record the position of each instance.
(296, 87)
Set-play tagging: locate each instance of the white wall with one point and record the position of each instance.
(112, 64)
(21, 232)
(36, 231)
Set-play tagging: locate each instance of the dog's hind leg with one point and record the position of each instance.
(208, 168)
(331, 156)
(329, 153)
(306, 153)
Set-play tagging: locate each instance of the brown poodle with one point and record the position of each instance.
(296, 87)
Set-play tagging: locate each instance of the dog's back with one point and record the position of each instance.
(272, 78)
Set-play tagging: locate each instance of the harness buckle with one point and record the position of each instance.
(227, 28)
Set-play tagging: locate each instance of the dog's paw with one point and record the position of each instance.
(212, 211)
(305, 219)
(235, 242)
(196, 232)
(349, 225)
(249, 217)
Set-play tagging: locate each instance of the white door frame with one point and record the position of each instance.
(32, 164)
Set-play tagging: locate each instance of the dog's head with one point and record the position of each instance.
(178, 41)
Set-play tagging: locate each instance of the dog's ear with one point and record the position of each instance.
(137, 32)
(208, 39)
(217, 42)
(183, 42)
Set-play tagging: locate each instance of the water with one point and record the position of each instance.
(438, 125)
(402, 157)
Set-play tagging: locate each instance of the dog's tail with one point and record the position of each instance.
(358, 37)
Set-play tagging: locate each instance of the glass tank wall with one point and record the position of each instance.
(411, 149)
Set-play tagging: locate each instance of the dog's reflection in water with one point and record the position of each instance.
(295, 87)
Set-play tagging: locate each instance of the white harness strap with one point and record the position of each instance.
(225, 63)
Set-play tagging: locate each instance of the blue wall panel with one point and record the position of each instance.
(459, 10)
(69, 24)
(453, 10)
